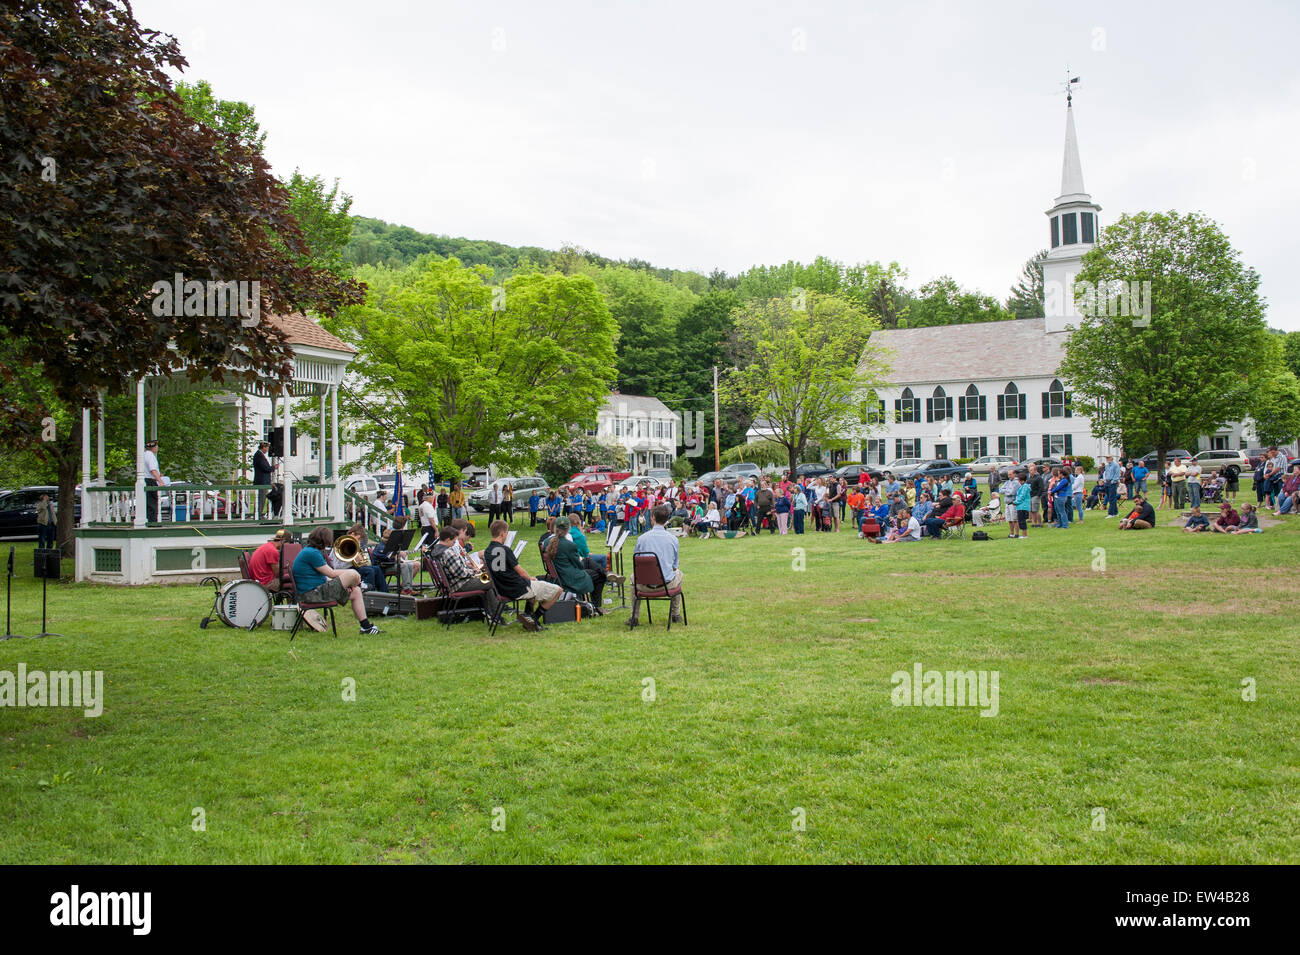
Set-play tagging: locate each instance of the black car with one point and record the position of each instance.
(851, 472)
(813, 469)
(1048, 463)
(937, 468)
(18, 510)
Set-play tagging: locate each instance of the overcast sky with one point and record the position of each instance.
(723, 135)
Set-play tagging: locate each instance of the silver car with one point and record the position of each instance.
(521, 488)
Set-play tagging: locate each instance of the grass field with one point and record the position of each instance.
(1120, 690)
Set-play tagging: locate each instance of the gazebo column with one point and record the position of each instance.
(334, 449)
(320, 440)
(140, 515)
(85, 466)
(287, 505)
(103, 471)
(153, 417)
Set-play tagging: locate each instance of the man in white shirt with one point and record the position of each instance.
(494, 501)
(909, 529)
(988, 514)
(428, 515)
(1194, 483)
(153, 478)
(663, 545)
(1078, 488)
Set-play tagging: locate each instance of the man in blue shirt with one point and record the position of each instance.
(316, 581)
(663, 545)
(1140, 473)
(1110, 478)
(533, 500)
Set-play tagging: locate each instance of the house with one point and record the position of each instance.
(644, 426)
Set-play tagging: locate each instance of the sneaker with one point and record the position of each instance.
(370, 631)
(529, 623)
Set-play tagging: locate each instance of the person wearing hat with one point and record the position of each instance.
(153, 478)
(263, 473)
(264, 565)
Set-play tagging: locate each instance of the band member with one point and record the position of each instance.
(406, 567)
(263, 473)
(316, 580)
(461, 574)
(513, 582)
(264, 565)
(494, 501)
(372, 577)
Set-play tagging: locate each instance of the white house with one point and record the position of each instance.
(644, 426)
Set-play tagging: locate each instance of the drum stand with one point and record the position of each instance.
(216, 596)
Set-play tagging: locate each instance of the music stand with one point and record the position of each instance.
(9, 582)
(619, 536)
(51, 565)
(420, 547)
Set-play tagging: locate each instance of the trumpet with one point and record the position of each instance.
(349, 550)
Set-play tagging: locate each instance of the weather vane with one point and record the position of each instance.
(1068, 86)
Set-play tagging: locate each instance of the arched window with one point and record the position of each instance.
(1011, 403)
(938, 407)
(971, 407)
(1056, 400)
(907, 407)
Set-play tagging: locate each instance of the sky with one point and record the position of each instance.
(729, 134)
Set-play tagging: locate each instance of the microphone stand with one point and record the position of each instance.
(9, 583)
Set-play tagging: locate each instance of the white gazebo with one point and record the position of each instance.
(202, 528)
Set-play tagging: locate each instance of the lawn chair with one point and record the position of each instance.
(648, 584)
(954, 530)
(452, 598)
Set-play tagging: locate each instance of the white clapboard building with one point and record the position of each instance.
(644, 426)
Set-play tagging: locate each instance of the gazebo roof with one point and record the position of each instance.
(301, 330)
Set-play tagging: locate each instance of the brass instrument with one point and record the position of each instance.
(349, 550)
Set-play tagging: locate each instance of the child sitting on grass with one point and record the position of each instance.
(1196, 521)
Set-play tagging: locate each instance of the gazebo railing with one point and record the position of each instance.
(358, 509)
(204, 503)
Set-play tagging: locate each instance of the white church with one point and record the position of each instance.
(963, 391)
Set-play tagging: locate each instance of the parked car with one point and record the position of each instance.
(1048, 462)
(1213, 460)
(1149, 459)
(387, 480)
(742, 469)
(936, 468)
(662, 475)
(813, 469)
(611, 475)
(900, 465)
(521, 488)
(851, 472)
(18, 510)
(990, 462)
(364, 486)
(592, 481)
(705, 480)
(1256, 455)
(632, 482)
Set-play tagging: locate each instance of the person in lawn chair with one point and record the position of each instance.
(316, 581)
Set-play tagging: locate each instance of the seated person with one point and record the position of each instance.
(1249, 521)
(1290, 496)
(955, 514)
(513, 582)
(372, 577)
(264, 565)
(990, 513)
(386, 559)
(574, 577)
(1196, 521)
(907, 529)
(589, 560)
(1141, 518)
(317, 581)
(1227, 519)
(923, 508)
(460, 573)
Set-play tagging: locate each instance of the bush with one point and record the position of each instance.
(962, 460)
(683, 470)
(1085, 461)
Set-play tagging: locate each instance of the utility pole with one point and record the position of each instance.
(717, 452)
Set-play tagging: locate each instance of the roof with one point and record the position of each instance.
(634, 404)
(301, 330)
(977, 351)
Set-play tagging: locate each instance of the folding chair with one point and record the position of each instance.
(648, 584)
(244, 569)
(954, 529)
(289, 592)
(452, 598)
(550, 570)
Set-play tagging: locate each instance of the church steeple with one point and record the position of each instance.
(1074, 226)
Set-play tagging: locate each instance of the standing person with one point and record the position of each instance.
(1129, 479)
(263, 474)
(763, 505)
(317, 581)
(1110, 475)
(798, 508)
(152, 478)
(1061, 495)
(1194, 483)
(456, 500)
(1140, 472)
(1166, 493)
(507, 504)
(833, 499)
(1078, 487)
(534, 500)
(428, 516)
(1022, 509)
(782, 509)
(1178, 483)
(663, 545)
(494, 501)
(46, 522)
(1037, 491)
(1274, 474)
(443, 504)
(1231, 475)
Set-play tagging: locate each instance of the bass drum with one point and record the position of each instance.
(243, 603)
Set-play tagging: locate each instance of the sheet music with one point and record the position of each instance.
(420, 546)
(519, 550)
(614, 528)
(624, 534)
(510, 538)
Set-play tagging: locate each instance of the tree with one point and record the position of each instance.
(324, 220)
(485, 374)
(804, 371)
(567, 454)
(1291, 352)
(942, 301)
(1275, 408)
(647, 311)
(228, 117)
(1026, 299)
(1187, 367)
(109, 187)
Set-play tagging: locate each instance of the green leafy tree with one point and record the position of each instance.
(485, 374)
(228, 117)
(943, 302)
(1027, 295)
(647, 311)
(1291, 352)
(803, 370)
(1275, 408)
(1185, 370)
(567, 454)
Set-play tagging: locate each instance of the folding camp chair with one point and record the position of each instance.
(648, 584)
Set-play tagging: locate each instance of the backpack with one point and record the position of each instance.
(979, 536)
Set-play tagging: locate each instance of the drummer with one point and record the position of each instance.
(264, 565)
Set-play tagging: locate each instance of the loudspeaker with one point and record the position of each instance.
(277, 443)
(45, 563)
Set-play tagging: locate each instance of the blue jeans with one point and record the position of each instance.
(1194, 493)
(45, 535)
(1112, 499)
(1078, 504)
(1285, 506)
(798, 522)
(1061, 504)
(1142, 487)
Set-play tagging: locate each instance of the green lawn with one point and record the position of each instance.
(1119, 689)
